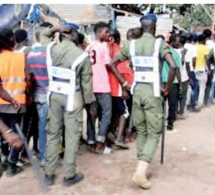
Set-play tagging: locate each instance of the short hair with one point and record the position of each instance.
(207, 33)
(137, 32)
(20, 35)
(201, 38)
(129, 33)
(183, 39)
(100, 25)
(160, 37)
(81, 38)
(148, 25)
(116, 35)
(46, 25)
(189, 37)
(173, 38)
(6, 39)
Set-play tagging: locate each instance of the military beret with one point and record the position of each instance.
(72, 25)
(149, 17)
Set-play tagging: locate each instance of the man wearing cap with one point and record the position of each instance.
(70, 87)
(147, 113)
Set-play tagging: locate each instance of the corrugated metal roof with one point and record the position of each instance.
(82, 14)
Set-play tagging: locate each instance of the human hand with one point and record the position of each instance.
(16, 105)
(13, 140)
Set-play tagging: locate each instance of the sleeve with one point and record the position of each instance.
(124, 53)
(177, 59)
(194, 53)
(45, 36)
(86, 82)
(107, 57)
(188, 56)
(164, 49)
(207, 50)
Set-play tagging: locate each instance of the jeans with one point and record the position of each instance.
(42, 109)
(11, 120)
(182, 102)
(194, 90)
(208, 87)
(201, 77)
(211, 95)
(173, 100)
(104, 102)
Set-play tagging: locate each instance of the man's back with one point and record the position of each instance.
(64, 54)
(143, 47)
(202, 52)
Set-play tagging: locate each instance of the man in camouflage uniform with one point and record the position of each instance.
(68, 94)
(147, 111)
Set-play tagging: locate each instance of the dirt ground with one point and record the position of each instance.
(188, 169)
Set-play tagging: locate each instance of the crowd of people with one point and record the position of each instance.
(46, 85)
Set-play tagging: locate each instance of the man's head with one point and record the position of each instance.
(174, 41)
(101, 30)
(137, 33)
(189, 37)
(82, 41)
(183, 40)
(207, 33)
(70, 33)
(6, 39)
(148, 23)
(21, 36)
(129, 34)
(201, 39)
(115, 36)
(41, 27)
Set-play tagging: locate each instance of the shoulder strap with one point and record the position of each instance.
(157, 47)
(48, 54)
(78, 60)
(132, 48)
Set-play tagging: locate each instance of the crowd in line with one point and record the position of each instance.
(26, 76)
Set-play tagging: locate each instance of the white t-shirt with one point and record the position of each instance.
(211, 45)
(191, 53)
(183, 69)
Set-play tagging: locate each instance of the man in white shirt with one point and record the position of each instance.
(184, 71)
(209, 92)
(193, 85)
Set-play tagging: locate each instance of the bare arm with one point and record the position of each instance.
(172, 72)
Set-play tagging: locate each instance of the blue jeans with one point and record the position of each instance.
(10, 120)
(42, 109)
(194, 90)
(104, 102)
(211, 95)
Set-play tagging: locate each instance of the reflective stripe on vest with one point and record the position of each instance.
(16, 92)
(146, 68)
(13, 79)
(66, 88)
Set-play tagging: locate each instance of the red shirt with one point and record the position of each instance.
(123, 68)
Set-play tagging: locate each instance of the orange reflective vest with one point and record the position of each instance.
(12, 74)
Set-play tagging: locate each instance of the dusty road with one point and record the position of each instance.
(189, 167)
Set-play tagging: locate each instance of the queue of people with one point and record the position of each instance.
(46, 86)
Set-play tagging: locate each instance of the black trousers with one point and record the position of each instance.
(173, 100)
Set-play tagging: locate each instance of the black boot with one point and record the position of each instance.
(72, 181)
(12, 169)
(49, 179)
